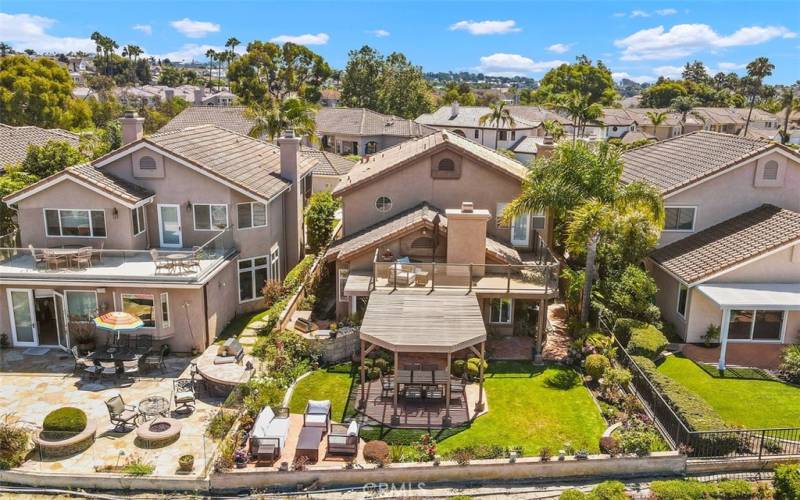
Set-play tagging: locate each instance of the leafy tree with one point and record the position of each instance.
(553, 129)
(104, 109)
(789, 104)
(172, 76)
(685, 106)
(132, 52)
(580, 110)
(757, 70)
(51, 158)
(157, 116)
(404, 91)
(459, 92)
(582, 77)
(319, 218)
(695, 72)
(500, 116)
(12, 180)
(268, 71)
(104, 45)
(272, 118)
(361, 78)
(100, 84)
(656, 117)
(661, 94)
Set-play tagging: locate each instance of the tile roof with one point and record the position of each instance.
(731, 242)
(632, 136)
(252, 164)
(330, 94)
(229, 117)
(527, 145)
(683, 160)
(361, 121)
(14, 141)
(329, 163)
(397, 156)
(469, 116)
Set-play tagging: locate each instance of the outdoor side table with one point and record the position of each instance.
(308, 443)
(154, 406)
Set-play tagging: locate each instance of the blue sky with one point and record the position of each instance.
(642, 39)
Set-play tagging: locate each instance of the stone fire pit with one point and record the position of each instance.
(159, 432)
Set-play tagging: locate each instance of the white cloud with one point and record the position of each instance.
(729, 66)
(560, 48)
(487, 27)
(668, 71)
(638, 79)
(684, 39)
(666, 12)
(379, 33)
(306, 39)
(27, 31)
(194, 29)
(646, 13)
(190, 52)
(639, 13)
(502, 64)
(620, 14)
(144, 28)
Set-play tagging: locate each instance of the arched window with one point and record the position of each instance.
(383, 204)
(446, 165)
(147, 163)
(371, 148)
(422, 242)
(459, 132)
(770, 172)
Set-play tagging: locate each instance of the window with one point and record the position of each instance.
(251, 215)
(81, 304)
(538, 220)
(498, 216)
(683, 296)
(503, 135)
(770, 171)
(477, 132)
(275, 262)
(147, 163)
(513, 135)
(371, 148)
(164, 310)
(614, 128)
(679, 218)
(446, 164)
(756, 325)
(138, 220)
(383, 204)
(252, 277)
(210, 217)
(500, 311)
(82, 223)
(140, 305)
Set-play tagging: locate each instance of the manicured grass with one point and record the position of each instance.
(747, 402)
(238, 324)
(330, 383)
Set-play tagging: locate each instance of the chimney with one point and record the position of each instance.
(545, 149)
(132, 127)
(454, 109)
(293, 198)
(199, 93)
(169, 93)
(466, 237)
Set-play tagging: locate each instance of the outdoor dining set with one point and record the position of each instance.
(422, 382)
(66, 257)
(153, 407)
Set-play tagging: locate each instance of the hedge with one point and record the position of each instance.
(679, 489)
(65, 419)
(646, 341)
(692, 409)
(622, 329)
(787, 482)
(291, 284)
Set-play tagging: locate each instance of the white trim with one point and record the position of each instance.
(252, 271)
(251, 203)
(142, 222)
(751, 340)
(391, 204)
(47, 184)
(161, 227)
(32, 312)
(749, 261)
(210, 218)
(694, 219)
(64, 318)
(152, 296)
(526, 241)
(164, 299)
(61, 229)
(275, 262)
(510, 311)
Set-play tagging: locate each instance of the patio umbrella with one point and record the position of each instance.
(118, 322)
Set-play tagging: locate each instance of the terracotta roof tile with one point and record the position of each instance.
(228, 117)
(14, 141)
(329, 163)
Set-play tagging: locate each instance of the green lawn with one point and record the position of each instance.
(330, 383)
(238, 324)
(749, 402)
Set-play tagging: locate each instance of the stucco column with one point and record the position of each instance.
(723, 337)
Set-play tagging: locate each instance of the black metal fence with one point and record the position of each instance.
(755, 443)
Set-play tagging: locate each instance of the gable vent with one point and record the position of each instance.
(770, 172)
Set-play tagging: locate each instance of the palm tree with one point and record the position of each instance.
(4, 49)
(553, 129)
(757, 70)
(232, 43)
(210, 54)
(132, 52)
(789, 104)
(684, 105)
(272, 118)
(656, 118)
(579, 110)
(499, 115)
(580, 185)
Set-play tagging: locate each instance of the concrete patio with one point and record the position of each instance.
(751, 355)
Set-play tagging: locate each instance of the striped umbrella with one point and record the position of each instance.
(118, 322)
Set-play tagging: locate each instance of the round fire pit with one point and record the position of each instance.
(159, 432)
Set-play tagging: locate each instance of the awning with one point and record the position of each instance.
(775, 296)
(358, 285)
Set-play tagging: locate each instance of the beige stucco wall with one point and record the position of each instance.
(733, 193)
(323, 182)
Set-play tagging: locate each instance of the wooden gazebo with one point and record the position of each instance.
(423, 325)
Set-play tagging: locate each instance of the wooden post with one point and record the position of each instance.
(363, 403)
(542, 327)
(479, 404)
(447, 421)
(396, 385)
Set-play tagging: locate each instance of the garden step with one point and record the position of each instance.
(248, 341)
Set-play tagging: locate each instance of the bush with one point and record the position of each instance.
(637, 441)
(646, 341)
(563, 379)
(609, 446)
(13, 444)
(297, 275)
(285, 355)
(473, 367)
(614, 377)
(679, 489)
(572, 494)
(67, 419)
(459, 366)
(595, 365)
(319, 217)
(377, 452)
(260, 393)
(787, 482)
(273, 292)
(221, 424)
(790, 363)
(622, 329)
(607, 490)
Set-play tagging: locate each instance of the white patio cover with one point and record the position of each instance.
(775, 296)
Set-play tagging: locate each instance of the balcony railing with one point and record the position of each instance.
(92, 265)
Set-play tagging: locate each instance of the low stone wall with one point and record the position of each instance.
(731, 465)
(339, 349)
(103, 481)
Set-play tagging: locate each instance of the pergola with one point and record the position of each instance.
(407, 321)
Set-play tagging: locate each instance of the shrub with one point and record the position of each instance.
(273, 292)
(637, 441)
(609, 490)
(563, 379)
(622, 329)
(459, 366)
(382, 365)
(787, 482)
(545, 454)
(595, 365)
(473, 367)
(260, 393)
(138, 468)
(572, 494)
(609, 446)
(297, 275)
(377, 452)
(680, 489)
(646, 341)
(319, 217)
(221, 424)
(712, 335)
(13, 444)
(616, 377)
(65, 419)
(790, 363)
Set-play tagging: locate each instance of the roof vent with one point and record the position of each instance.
(467, 207)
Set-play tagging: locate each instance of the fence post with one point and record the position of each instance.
(761, 444)
(470, 277)
(508, 278)
(394, 267)
(433, 276)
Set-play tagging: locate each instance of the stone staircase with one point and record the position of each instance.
(249, 335)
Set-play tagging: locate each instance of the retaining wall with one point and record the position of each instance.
(339, 349)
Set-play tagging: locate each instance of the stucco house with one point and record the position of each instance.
(180, 228)
(14, 141)
(419, 220)
(729, 254)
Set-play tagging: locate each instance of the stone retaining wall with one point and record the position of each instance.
(340, 349)
(731, 465)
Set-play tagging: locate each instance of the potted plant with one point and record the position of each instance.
(240, 458)
(186, 463)
(4, 344)
(83, 334)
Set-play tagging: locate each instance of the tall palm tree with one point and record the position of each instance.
(4, 49)
(656, 117)
(211, 54)
(232, 43)
(789, 104)
(579, 110)
(132, 52)
(757, 70)
(684, 105)
(553, 129)
(499, 115)
(272, 118)
(580, 185)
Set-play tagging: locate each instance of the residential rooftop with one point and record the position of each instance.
(14, 141)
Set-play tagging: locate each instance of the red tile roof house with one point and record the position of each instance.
(729, 254)
(231, 202)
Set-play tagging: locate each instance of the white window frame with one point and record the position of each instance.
(694, 218)
(61, 229)
(210, 217)
(142, 221)
(274, 261)
(682, 286)
(66, 300)
(510, 318)
(387, 210)
(252, 270)
(134, 295)
(537, 216)
(164, 306)
(252, 225)
(784, 318)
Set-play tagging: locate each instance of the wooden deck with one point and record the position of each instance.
(416, 414)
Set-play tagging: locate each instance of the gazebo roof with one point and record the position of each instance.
(423, 321)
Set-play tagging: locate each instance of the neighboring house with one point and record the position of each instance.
(330, 98)
(14, 141)
(222, 98)
(636, 136)
(183, 229)
(329, 171)
(150, 95)
(419, 220)
(671, 127)
(729, 254)
(615, 123)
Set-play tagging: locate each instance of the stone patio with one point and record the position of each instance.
(32, 386)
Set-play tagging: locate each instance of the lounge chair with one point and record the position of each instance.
(183, 395)
(156, 359)
(343, 439)
(121, 415)
(271, 427)
(317, 414)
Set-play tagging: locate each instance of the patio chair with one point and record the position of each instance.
(53, 259)
(156, 359)
(317, 414)
(130, 368)
(143, 344)
(98, 255)
(434, 393)
(160, 263)
(120, 414)
(387, 385)
(265, 449)
(107, 368)
(183, 395)
(457, 388)
(343, 439)
(39, 258)
(413, 392)
(83, 257)
(82, 364)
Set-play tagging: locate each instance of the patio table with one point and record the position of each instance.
(308, 443)
(178, 261)
(154, 406)
(118, 354)
(60, 254)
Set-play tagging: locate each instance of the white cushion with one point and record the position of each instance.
(278, 428)
(316, 419)
(182, 397)
(318, 406)
(404, 260)
(261, 427)
(352, 430)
